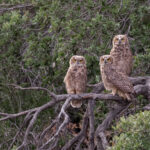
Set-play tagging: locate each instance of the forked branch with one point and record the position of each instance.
(141, 86)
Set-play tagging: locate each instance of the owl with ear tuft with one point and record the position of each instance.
(76, 78)
(115, 81)
(122, 55)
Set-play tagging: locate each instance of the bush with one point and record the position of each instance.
(133, 133)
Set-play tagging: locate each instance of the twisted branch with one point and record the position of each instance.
(141, 86)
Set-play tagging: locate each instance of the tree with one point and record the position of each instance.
(38, 38)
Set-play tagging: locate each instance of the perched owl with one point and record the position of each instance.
(76, 78)
(122, 54)
(115, 81)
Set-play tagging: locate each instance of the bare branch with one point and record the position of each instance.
(66, 120)
(141, 86)
(139, 80)
(24, 143)
(148, 88)
(15, 137)
(101, 143)
(68, 145)
(21, 6)
(34, 88)
(59, 98)
(79, 143)
(8, 116)
(41, 136)
(147, 107)
(104, 140)
(91, 123)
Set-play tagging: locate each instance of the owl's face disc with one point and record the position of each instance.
(106, 60)
(77, 61)
(120, 40)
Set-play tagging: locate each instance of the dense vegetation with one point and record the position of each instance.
(38, 37)
(134, 132)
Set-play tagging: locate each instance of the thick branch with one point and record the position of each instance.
(59, 98)
(91, 124)
(141, 86)
(97, 88)
(101, 142)
(68, 145)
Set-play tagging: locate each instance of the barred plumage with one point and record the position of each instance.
(76, 78)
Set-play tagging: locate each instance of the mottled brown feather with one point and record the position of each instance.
(76, 79)
(122, 55)
(113, 80)
(118, 79)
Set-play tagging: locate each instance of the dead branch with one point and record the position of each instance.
(24, 143)
(141, 86)
(15, 137)
(8, 116)
(65, 122)
(40, 137)
(82, 133)
(91, 124)
(78, 147)
(21, 6)
(147, 107)
(101, 142)
(104, 140)
(63, 97)
(51, 94)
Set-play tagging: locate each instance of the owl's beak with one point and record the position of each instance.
(105, 61)
(78, 63)
(119, 42)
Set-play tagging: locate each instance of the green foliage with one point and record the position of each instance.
(132, 133)
(36, 44)
(141, 64)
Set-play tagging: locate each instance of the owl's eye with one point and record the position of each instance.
(123, 40)
(81, 60)
(116, 40)
(102, 59)
(109, 59)
(74, 60)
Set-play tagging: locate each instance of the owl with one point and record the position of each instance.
(122, 55)
(115, 81)
(76, 78)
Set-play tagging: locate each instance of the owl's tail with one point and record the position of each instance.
(76, 103)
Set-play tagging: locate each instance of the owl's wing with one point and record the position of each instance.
(81, 81)
(68, 75)
(65, 78)
(120, 81)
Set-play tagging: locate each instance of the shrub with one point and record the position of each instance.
(133, 133)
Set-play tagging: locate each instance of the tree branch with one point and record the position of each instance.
(100, 140)
(21, 6)
(65, 122)
(68, 145)
(91, 124)
(141, 86)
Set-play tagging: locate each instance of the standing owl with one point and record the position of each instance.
(76, 78)
(122, 55)
(113, 80)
